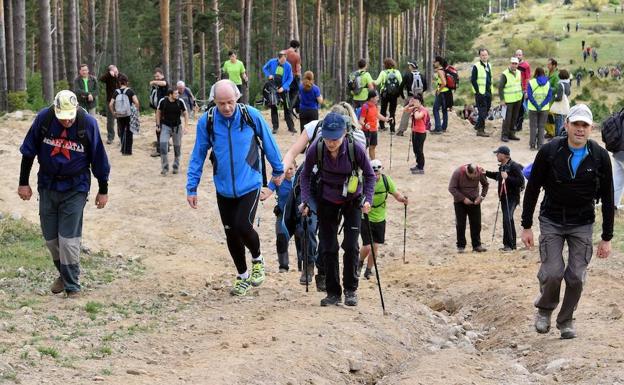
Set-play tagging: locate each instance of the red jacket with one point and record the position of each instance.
(525, 73)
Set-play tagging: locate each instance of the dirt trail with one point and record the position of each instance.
(452, 319)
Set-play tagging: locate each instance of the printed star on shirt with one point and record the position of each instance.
(60, 149)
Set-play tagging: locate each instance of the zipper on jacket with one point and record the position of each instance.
(229, 124)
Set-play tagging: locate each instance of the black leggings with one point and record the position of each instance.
(237, 216)
(306, 116)
(388, 101)
(418, 144)
(125, 135)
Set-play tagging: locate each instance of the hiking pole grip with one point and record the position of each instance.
(370, 235)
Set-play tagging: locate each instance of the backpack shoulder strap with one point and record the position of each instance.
(351, 153)
(385, 182)
(319, 155)
(210, 124)
(44, 127)
(319, 124)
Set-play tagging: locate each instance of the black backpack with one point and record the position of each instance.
(269, 94)
(246, 119)
(354, 83)
(392, 86)
(613, 132)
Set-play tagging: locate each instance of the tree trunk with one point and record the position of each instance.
(177, 45)
(164, 35)
(45, 50)
(317, 39)
(346, 39)
(295, 21)
(78, 37)
(190, 73)
(116, 37)
(72, 47)
(10, 45)
(289, 22)
(338, 46)
(361, 36)
(365, 54)
(55, 47)
(216, 46)
(247, 39)
(4, 87)
(273, 25)
(91, 56)
(105, 27)
(202, 58)
(19, 31)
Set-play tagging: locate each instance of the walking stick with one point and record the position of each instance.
(391, 135)
(404, 230)
(304, 244)
(496, 218)
(370, 234)
(409, 147)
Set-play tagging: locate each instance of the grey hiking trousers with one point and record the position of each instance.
(176, 134)
(553, 269)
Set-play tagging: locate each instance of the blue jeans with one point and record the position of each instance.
(440, 103)
(559, 120)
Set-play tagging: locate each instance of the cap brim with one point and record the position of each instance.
(65, 115)
(580, 119)
(332, 135)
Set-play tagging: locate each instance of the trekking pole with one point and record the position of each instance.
(404, 230)
(370, 234)
(391, 135)
(304, 244)
(409, 147)
(496, 219)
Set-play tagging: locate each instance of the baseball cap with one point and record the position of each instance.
(580, 113)
(413, 64)
(376, 164)
(514, 60)
(65, 105)
(502, 150)
(334, 126)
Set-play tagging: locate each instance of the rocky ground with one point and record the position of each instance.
(165, 316)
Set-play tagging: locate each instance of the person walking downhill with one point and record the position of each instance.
(540, 95)
(481, 80)
(464, 187)
(511, 96)
(168, 121)
(234, 70)
(384, 186)
(573, 171)
(369, 116)
(86, 89)
(389, 83)
(525, 71)
(67, 144)
(510, 184)
(111, 79)
(361, 82)
(279, 71)
(340, 194)
(420, 117)
(232, 131)
(310, 100)
(158, 90)
(561, 105)
(413, 84)
(120, 107)
(439, 103)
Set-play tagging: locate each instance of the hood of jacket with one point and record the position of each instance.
(542, 80)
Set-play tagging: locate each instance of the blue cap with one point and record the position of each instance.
(334, 126)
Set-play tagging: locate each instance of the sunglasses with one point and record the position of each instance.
(375, 169)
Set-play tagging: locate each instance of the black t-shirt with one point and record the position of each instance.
(170, 112)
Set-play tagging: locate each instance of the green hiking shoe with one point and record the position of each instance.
(257, 273)
(241, 287)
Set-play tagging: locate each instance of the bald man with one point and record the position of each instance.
(237, 169)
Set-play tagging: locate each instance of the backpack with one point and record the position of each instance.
(122, 104)
(452, 77)
(352, 132)
(387, 190)
(154, 97)
(81, 132)
(613, 132)
(269, 94)
(246, 119)
(354, 84)
(320, 147)
(392, 86)
(417, 83)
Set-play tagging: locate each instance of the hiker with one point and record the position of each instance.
(568, 27)
(579, 76)
(310, 100)
(384, 186)
(481, 80)
(573, 172)
(553, 79)
(369, 116)
(294, 58)
(413, 84)
(360, 82)
(540, 95)
(464, 187)
(121, 108)
(67, 143)
(111, 79)
(86, 89)
(168, 121)
(389, 83)
(279, 71)
(510, 184)
(186, 95)
(158, 90)
(237, 181)
(470, 114)
(234, 70)
(561, 104)
(594, 54)
(441, 89)
(578, 25)
(525, 71)
(511, 96)
(420, 118)
(339, 195)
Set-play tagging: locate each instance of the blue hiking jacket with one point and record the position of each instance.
(64, 163)
(541, 80)
(237, 164)
(271, 66)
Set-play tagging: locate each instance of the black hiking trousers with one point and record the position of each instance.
(237, 216)
(388, 101)
(473, 212)
(287, 113)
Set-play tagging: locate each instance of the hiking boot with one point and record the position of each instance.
(412, 169)
(483, 134)
(479, 249)
(57, 286)
(241, 287)
(331, 299)
(155, 154)
(505, 249)
(461, 250)
(274, 131)
(109, 141)
(283, 269)
(257, 273)
(567, 329)
(400, 133)
(308, 276)
(175, 171)
(73, 294)
(164, 172)
(513, 137)
(367, 273)
(504, 139)
(320, 283)
(351, 298)
(360, 265)
(418, 172)
(542, 321)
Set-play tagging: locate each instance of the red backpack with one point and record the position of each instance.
(452, 77)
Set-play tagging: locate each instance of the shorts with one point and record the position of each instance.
(377, 228)
(371, 138)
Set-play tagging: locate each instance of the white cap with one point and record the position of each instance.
(580, 113)
(376, 164)
(514, 60)
(65, 105)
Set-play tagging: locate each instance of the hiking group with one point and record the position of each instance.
(340, 179)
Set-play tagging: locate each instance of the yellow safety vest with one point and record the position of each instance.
(482, 78)
(513, 87)
(539, 94)
(438, 81)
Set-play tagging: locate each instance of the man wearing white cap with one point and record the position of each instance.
(66, 140)
(510, 93)
(574, 172)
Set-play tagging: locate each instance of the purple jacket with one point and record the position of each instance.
(335, 174)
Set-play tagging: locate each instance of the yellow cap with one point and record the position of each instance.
(65, 105)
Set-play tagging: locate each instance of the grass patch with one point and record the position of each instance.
(48, 351)
(22, 249)
(93, 308)
(106, 372)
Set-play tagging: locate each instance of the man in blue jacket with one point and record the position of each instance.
(67, 143)
(279, 71)
(237, 170)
